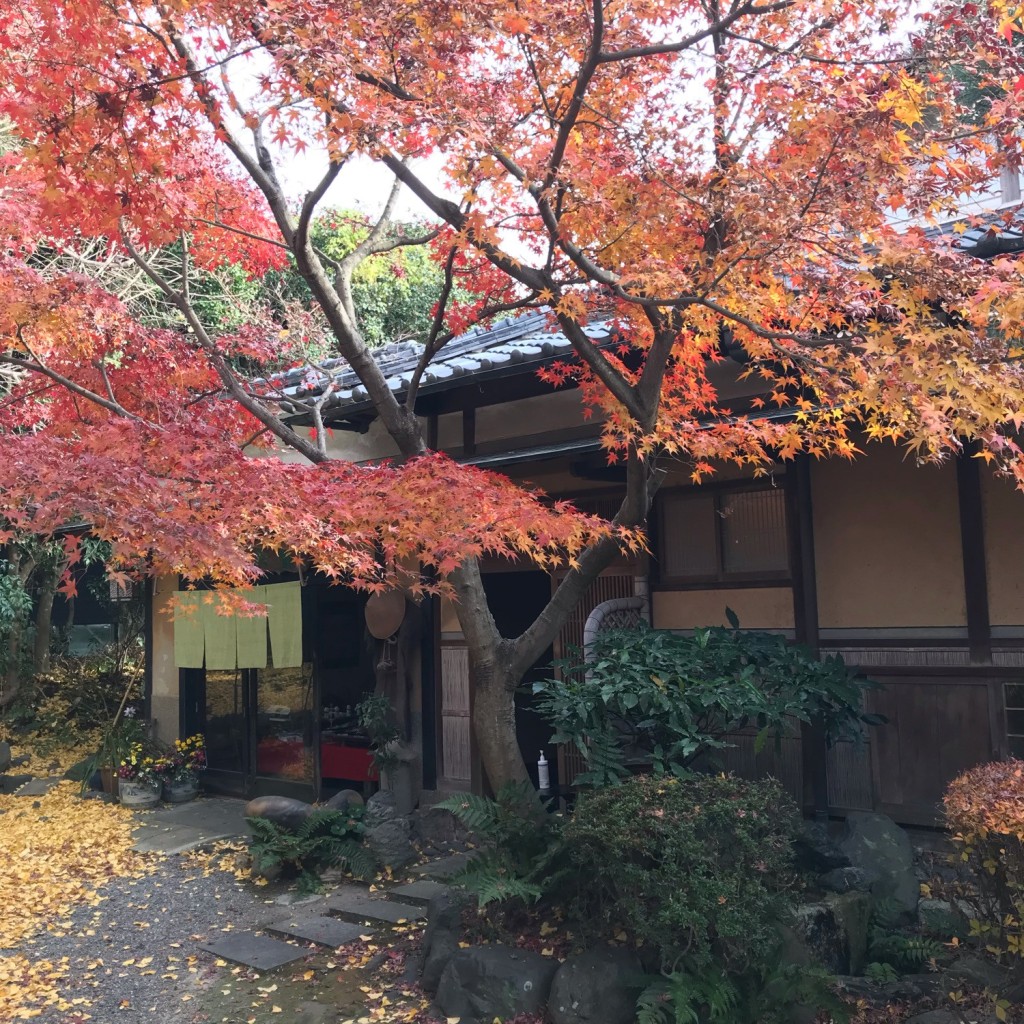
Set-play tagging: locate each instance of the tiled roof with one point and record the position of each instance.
(509, 346)
(993, 238)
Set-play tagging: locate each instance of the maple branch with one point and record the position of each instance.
(366, 247)
(36, 365)
(220, 364)
(642, 481)
(583, 78)
(657, 49)
(313, 197)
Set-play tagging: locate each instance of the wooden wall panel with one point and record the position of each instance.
(937, 728)
(456, 758)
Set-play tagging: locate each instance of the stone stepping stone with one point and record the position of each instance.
(423, 891)
(446, 867)
(324, 931)
(351, 901)
(258, 951)
(38, 787)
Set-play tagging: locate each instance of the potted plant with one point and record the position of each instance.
(139, 778)
(180, 769)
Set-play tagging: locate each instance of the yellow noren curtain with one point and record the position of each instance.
(252, 632)
(284, 615)
(188, 631)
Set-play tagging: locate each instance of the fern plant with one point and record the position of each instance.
(889, 946)
(325, 839)
(521, 844)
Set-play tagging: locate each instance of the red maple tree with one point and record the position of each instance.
(715, 176)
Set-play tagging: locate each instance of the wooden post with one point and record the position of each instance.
(972, 544)
(814, 751)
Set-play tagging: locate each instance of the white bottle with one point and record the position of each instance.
(543, 775)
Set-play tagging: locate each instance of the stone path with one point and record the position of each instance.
(328, 922)
(175, 828)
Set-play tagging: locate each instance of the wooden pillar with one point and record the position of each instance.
(800, 514)
(972, 545)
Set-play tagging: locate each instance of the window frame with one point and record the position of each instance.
(721, 579)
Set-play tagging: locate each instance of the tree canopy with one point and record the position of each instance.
(714, 176)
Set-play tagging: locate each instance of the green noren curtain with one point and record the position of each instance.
(239, 641)
(221, 634)
(252, 632)
(188, 631)
(284, 615)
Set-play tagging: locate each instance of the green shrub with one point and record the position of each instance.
(697, 871)
(701, 865)
(666, 699)
(325, 839)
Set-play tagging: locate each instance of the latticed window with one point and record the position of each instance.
(727, 536)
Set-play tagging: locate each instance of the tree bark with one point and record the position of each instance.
(494, 720)
(44, 619)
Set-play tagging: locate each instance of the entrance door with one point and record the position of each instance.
(259, 726)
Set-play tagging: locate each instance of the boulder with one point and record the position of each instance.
(344, 800)
(844, 880)
(941, 920)
(436, 826)
(5, 756)
(484, 982)
(816, 851)
(382, 806)
(281, 810)
(442, 934)
(600, 986)
(832, 933)
(390, 843)
(882, 850)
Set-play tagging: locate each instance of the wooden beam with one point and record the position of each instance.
(972, 545)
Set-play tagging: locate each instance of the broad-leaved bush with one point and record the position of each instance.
(664, 699)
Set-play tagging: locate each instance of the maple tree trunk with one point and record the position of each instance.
(12, 677)
(44, 619)
(494, 723)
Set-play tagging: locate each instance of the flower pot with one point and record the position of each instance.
(139, 794)
(180, 791)
(109, 781)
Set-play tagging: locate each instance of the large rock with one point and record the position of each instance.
(344, 800)
(11, 783)
(844, 880)
(600, 986)
(442, 934)
(390, 843)
(380, 807)
(832, 934)
(484, 982)
(882, 850)
(436, 826)
(5, 756)
(281, 810)
(941, 920)
(816, 851)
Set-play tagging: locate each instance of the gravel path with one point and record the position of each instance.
(134, 957)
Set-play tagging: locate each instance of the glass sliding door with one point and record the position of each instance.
(226, 733)
(285, 725)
